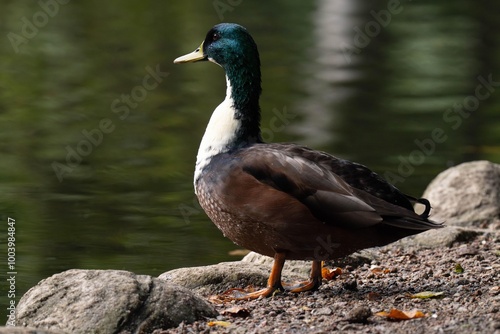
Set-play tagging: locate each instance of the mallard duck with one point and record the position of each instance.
(286, 201)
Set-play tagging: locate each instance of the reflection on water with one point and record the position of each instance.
(100, 130)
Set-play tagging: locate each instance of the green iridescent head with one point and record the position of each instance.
(225, 44)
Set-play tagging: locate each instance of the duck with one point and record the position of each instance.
(285, 200)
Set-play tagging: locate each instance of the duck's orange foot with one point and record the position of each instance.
(312, 284)
(309, 285)
(248, 293)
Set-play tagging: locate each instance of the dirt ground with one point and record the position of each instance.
(465, 279)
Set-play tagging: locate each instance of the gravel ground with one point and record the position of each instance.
(470, 301)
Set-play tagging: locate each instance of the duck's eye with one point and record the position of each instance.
(215, 36)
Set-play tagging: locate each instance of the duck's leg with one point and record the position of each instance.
(273, 283)
(312, 284)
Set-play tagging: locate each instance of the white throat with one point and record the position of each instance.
(220, 132)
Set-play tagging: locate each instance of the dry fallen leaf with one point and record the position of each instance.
(218, 323)
(427, 294)
(236, 311)
(214, 299)
(230, 294)
(330, 274)
(396, 314)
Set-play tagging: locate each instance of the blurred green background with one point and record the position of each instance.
(364, 80)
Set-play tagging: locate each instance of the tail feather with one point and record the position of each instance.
(412, 223)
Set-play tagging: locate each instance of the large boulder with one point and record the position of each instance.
(467, 195)
(108, 301)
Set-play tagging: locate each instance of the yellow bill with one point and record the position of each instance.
(196, 55)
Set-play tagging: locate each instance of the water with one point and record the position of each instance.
(99, 130)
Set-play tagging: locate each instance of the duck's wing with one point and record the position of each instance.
(356, 175)
(360, 177)
(327, 196)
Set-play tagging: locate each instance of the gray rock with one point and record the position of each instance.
(108, 301)
(466, 195)
(359, 314)
(217, 278)
(322, 311)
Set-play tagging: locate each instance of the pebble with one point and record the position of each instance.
(359, 315)
(323, 311)
(351, 285)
